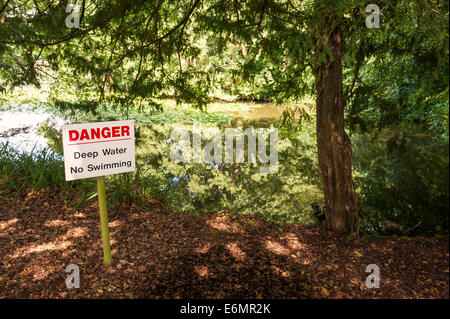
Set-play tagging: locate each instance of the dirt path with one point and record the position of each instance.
(157, 255)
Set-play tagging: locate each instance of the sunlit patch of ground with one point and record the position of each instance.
(172, 255)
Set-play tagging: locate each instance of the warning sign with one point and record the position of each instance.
(98, 149)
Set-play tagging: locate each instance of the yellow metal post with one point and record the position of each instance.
(101, 191)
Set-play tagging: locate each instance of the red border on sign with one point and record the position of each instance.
(122, 139)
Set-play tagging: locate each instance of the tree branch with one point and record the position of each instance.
(4, 6)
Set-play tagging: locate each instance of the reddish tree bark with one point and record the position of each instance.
(334, 149)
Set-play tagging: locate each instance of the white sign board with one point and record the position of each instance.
(98, 149)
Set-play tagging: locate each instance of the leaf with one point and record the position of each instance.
(325, 292)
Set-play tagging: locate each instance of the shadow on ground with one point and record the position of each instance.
(172, 255)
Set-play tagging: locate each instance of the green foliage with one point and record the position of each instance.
(400, 179)
(20, 170)
(288, 195)
(53, 136)
(292, 194)
(398, 74)
(405, 184)
(129, 57)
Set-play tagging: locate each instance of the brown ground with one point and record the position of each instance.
(158, 255)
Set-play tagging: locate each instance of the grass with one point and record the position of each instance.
(22, 170)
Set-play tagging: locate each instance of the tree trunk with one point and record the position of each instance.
(334, 149)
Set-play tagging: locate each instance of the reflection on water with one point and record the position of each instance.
(20, 128)
(262, 111)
